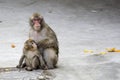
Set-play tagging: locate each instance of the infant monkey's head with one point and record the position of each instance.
(30, 45)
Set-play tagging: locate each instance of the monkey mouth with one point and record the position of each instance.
(37, 22)
(37, 25)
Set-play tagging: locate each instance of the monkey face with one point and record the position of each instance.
(30, 45)
(36, 21)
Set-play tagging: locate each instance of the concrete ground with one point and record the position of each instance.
(79, 25)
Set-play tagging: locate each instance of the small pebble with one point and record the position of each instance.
(94, 11)
(13, 45)
(41, 77)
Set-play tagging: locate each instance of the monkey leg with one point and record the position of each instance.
(35, 62)
(28, 64)
(23, 65)
(28, 68)
(50, 58)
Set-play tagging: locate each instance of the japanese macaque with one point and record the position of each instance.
(46, 40)
(31, 56)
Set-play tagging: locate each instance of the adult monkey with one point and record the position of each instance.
(46, 40)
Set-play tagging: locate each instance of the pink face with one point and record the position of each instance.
(36, 23)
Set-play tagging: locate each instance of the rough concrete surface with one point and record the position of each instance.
(79, 25)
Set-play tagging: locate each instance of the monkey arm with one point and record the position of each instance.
(43, 43)
(46, 43)
(21, 61)
(42, 63)
(41, 60)
(49, 43)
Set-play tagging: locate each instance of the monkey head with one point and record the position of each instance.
(30, 45)
(36, 21)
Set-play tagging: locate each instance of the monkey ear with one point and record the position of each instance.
(43, 22)
(40, 16)
(37, 45)
(31, 18)
(30, 22)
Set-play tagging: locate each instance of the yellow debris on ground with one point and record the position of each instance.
(88, 51)
(102, 53)
(13, 45)
(117, 50)
(112, 50)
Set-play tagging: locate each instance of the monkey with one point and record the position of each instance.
(31, 56)
(45, 38)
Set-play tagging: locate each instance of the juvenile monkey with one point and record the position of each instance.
(46, 40)
(31, 56)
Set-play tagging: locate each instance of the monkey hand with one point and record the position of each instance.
(44, 67)
(43, 43)
(18, 66)
(47, 45)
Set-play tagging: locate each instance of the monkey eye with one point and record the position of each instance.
(36, 19)
(32, 42)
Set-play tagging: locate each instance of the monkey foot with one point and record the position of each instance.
(28, 69)
(17, 66)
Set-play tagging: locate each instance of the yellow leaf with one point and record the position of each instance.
(88, 51)
(110, 49)
(117, 50)
(91, 51)
(102, 53)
